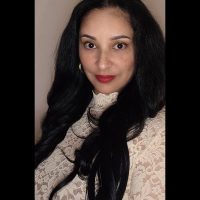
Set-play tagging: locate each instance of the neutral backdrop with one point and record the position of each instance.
(50, 19)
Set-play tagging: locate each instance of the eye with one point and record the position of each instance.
(120, 46)
(89, 45)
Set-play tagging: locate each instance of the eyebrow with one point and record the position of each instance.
(112, 38)
(120, 37)
(88, 36)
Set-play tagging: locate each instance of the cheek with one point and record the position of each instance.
(86, 58)
(127, 68)
(126, 62)
(82, 55)
(131, 68)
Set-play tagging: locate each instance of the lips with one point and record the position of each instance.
(104, 78)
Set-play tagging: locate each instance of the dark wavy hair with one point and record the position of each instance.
(100, 155)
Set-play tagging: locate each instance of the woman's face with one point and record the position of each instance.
(106, 49)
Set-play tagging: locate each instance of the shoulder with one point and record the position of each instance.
(155, 126)
(159, 119)
(152, 136)
(147, 160)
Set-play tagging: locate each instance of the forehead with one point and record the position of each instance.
(106, 19)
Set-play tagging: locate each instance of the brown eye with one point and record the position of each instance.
(120, 46)
(89, 45)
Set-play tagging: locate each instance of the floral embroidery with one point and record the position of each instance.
(147, 157)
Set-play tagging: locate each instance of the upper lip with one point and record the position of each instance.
(105, 75)
(104, 78)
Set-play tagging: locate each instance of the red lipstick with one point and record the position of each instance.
(104, 78)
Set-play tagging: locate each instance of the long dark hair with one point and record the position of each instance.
(101, 156)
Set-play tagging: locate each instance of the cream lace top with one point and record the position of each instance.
(147, 159)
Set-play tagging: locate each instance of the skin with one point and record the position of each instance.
(106, 48)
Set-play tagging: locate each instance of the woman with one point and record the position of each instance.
(103, 133)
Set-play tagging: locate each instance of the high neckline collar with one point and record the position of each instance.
(99, 103)
(104, 100)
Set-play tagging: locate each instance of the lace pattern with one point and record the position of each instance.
(147, 156)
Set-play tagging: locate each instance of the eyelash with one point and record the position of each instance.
(86, 45)
(121, 43)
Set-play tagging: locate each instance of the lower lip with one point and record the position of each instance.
(104, 79)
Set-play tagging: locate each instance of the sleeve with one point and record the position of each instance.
(148, 172)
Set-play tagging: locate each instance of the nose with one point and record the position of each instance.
(103, 60)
